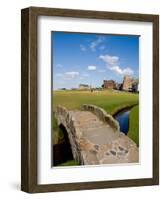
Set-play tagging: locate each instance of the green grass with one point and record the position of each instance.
(69, 163)
(109, 100)
(134, 125)
(57, 132)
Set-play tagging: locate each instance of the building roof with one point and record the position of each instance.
(83, 85)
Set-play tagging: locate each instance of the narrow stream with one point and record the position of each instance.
(123, 118)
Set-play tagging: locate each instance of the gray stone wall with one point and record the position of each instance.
(102, 115)
(64, 117)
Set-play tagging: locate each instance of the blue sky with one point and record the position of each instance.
(81, 58)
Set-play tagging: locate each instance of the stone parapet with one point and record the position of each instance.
(64, 117)
(102, 115)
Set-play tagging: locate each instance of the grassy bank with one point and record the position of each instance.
(109, 100)
(57, 132)
(134, 125)
(69, 163)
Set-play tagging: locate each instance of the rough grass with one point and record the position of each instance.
(110, 101)
(69, 163)
(57, 135)
(133, 132)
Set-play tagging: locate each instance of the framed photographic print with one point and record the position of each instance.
(90, 100)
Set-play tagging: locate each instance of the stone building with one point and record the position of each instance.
(118, 86)
(135, 86)
(127, 83)
(109, 84)
(130, 84)
(84, 87)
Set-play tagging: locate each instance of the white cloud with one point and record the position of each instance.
(128, 71)
(67, 75)
(96, 43)
(71, 75)
(58, 74)
(112, 63)
(59, 65)
(91, 67)
(120, 71)
(109, 60)
(83, 48)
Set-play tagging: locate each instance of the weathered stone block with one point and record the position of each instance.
(102, 115)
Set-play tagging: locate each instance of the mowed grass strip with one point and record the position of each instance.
(111, 101)
(133, 132)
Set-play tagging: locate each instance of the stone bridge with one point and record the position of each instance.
(95, 136)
